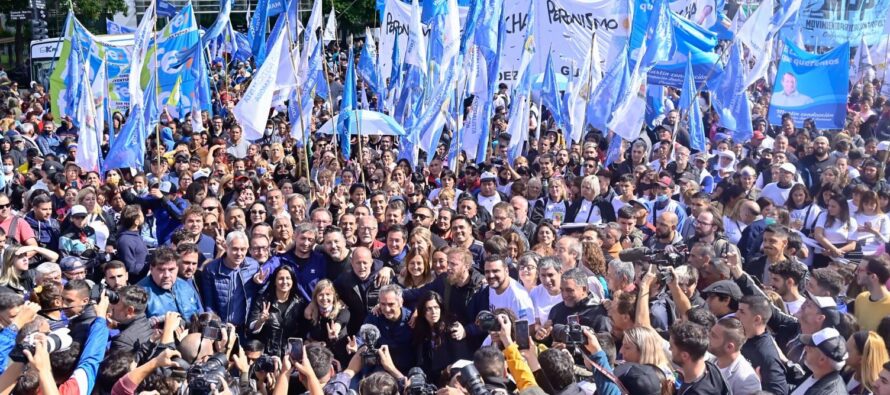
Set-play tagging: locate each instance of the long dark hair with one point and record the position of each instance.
(843, 215)
(423, 331)
(271, 288)
(807, 200)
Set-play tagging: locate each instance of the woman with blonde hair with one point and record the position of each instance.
(867, 356)
(14, 272)
(643, 345)
(329, 318)
(420, 240)
(418, 271)
(99, 220)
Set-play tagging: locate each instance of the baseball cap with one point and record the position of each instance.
(78, 210)
(167, 187)
(666, 182)
(71, 263)
(727, 154)
(203, 173)
(638, 202)
(788, 167)
(724, 287)
(828, 306)
(829, 341)
(702, 156)
(639, 379)
(884, 146)
(488, 176)
(52, 167)
(758, 135)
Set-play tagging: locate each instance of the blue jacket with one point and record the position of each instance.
(398, 336)
(7, 342)
(230, 300)
(131, 250)
(47, 232)
(183, 298)
(167, 213)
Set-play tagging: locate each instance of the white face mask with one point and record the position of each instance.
(214, 188)
(7, 169)
(268, 131)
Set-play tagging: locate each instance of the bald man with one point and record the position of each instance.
(194, 348)
(665, 232)
(358, 288)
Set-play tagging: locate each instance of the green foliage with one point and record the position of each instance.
(353, 16)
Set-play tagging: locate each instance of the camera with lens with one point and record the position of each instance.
(264, 363)
(569, 334)
(54, 342)
(472, 381)
(487, 321)
(417, 383)
(369, 335)
(204, 377)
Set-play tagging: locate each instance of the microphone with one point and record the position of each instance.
(369, 334)
(635, 254)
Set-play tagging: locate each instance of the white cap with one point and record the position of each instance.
(203, 173)
(488, 176)
(166, 186)
(78, 210)
(788, 167)
(884, 146)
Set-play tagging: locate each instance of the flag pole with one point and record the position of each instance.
(324, 65)
(290, 51)
(154, 32)
(358, 124)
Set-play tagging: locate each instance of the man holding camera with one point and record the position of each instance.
(576, 302)
(129, 313)
(393, 325)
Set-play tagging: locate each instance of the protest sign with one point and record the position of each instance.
(833, 23)
(811, 86)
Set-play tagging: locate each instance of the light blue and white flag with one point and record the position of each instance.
(689, 105)
(256, 32)
(414, 67)
(616, 83)
(128, 149)
(309, 39)
(579, 91)
(730, 98)
(754, 33)
(520, 109)
(141, 40)
(89, 137)
(786, 15)
(348, 106)
(166, 9)
(219, 26)
(550, 95)
(116, 28)
(252, 111)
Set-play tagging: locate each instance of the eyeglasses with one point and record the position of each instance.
(375, 180)
(257, 211)
(4, 206)
(259, 248)
(697, 222)
(528, 268)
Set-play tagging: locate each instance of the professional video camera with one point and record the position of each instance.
(264, 363)
(206, 376)
(55, 341)
(652, 256)
(369, 335)
(570, 334)
(417, 383)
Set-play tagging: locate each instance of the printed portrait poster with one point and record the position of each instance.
(811, 86)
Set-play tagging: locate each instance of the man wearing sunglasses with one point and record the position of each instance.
(17, 229)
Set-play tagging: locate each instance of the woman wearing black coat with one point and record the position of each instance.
(437, 345)
(276, 315)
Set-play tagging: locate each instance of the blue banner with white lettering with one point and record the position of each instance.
(811, 86)
(832, 23)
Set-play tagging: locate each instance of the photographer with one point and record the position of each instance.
(127, 385)
(129, 313)
(14, 315)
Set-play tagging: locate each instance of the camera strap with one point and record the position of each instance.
(611, 376)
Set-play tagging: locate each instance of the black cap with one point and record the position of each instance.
(724, 287)
(52, 167)
(829, 341)
(639, 379)
(828, 306)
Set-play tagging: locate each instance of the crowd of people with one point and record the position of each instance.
(278, 266)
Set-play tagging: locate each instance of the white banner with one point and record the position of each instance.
(563, 26)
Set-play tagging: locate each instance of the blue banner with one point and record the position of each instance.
(832, 23)
(166, 9)
(116, 28)
(811, 86)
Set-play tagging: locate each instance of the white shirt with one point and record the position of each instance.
(805, 386)
(733, 229)
(839, 232)
(514, 298)
(871, 243)
(773, 192)
(588, 213)
(543, 302)
(807, 216)
(489, 202)
(794, 306)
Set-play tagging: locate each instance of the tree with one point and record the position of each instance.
(353, 16)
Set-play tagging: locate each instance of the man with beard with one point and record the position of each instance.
(462, 236)
(785, 278)
(689, 343)
(577, 300)
(709, 229)
(235, 219)
(503, 217)
(814, 164)
(166, 291)
(868, 177)
(665, 232)
(501, 292)
(726, 340)
(335, 255)
(521, 217)
(187, 264)
(193, 223)
(462, 283)
(424, 217)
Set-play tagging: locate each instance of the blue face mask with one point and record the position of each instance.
(661, 198)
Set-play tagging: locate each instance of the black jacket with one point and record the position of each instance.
(133, 334)
(710, 384)
(456, 299)
(284, 322)
(763, 354)
(830, 384)
(607, 212)
(591, 314)
(80, 325)
(358, 296)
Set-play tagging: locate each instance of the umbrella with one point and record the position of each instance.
(371, 123)
(562, 82)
